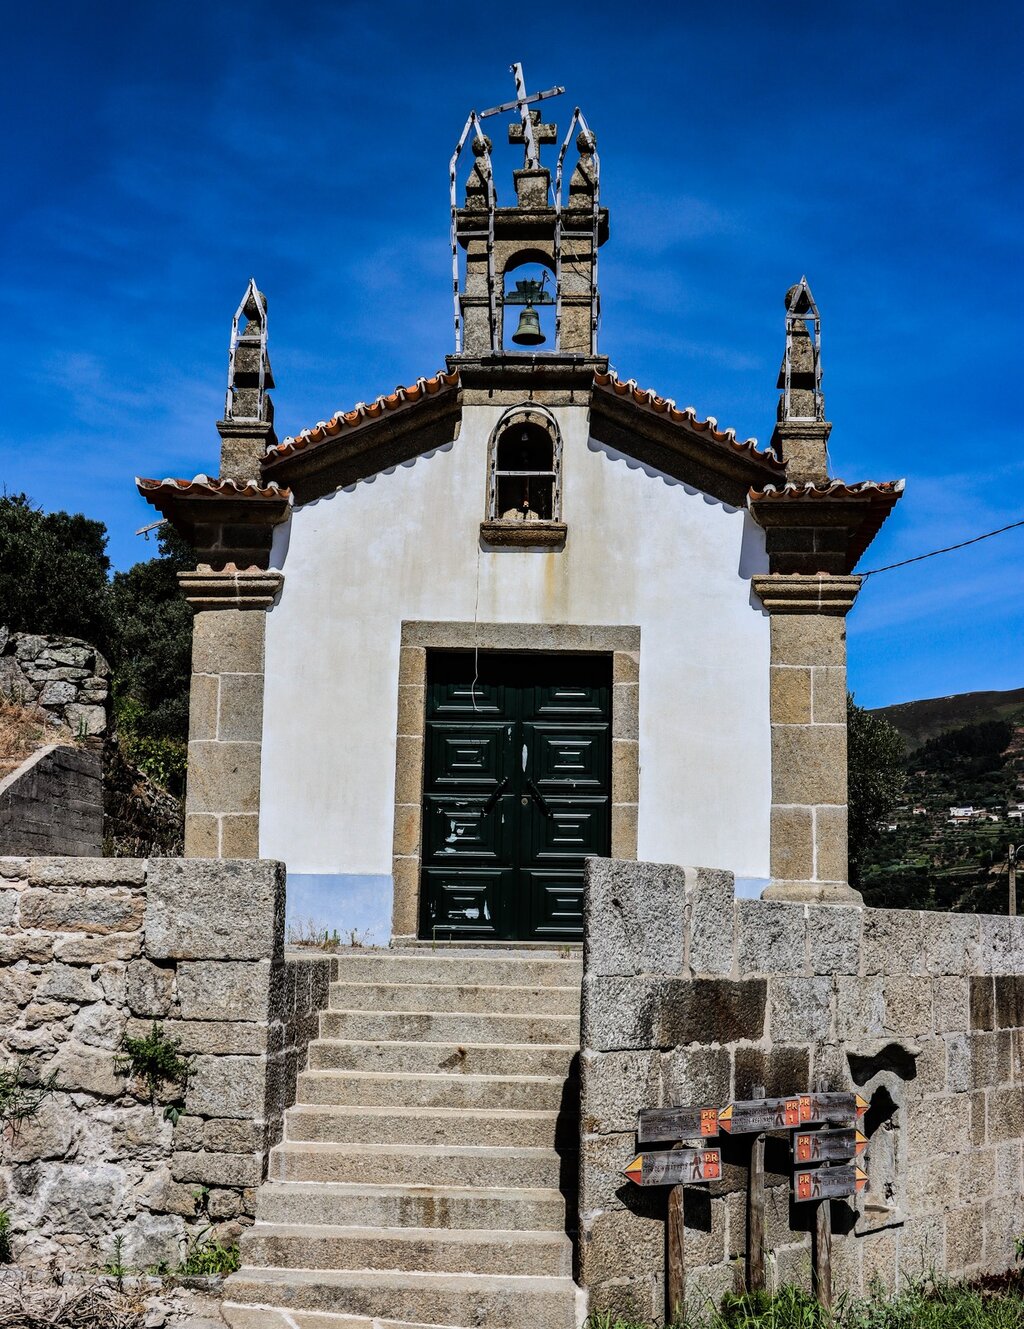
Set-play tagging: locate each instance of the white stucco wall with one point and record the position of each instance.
(642, 549)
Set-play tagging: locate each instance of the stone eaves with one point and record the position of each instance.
(857, 510)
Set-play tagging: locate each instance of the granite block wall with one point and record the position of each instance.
(53, 804)
(94, 948)
(693, 997)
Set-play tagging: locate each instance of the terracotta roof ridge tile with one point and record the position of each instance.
(391, 401)
(828, 489)
(212, 485)
(650, 399)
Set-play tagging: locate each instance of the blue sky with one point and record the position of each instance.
(155, 156)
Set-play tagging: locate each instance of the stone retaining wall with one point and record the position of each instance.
(693, 997)
(53, 804)
(65, 676)
(93, 948)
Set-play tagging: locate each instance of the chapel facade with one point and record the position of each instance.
(522, 611)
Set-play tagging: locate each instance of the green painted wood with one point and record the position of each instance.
(517, 792)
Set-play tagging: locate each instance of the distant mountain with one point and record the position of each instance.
(918, 721)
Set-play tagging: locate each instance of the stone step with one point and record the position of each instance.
(269, 1317)
(497, 1301)
(449, 1027)
(421, 1165)
(429, 1125)
(459, 1207)
(453, 1058)
(544, 1093)
(424, 1250)
(459, 967)
(480, 998)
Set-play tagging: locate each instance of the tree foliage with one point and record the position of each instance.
(53, 572)
(876, 758)
(153, 643)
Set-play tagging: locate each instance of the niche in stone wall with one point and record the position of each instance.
(881, 1076)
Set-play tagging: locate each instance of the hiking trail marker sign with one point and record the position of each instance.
(828, 1146)
(675, 1167)
(676, 1123)
(829, 1183)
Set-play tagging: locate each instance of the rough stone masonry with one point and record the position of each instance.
(92, 948)
(693, 997)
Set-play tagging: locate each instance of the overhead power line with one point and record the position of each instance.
(947, 550)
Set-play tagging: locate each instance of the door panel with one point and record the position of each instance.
(557, 900)
(466, 757)
(562, 756)
(458, 827)
(517, 792)
(466, 902)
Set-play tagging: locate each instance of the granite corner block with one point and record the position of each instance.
(634, 917)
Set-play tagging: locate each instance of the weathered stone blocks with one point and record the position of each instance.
(228, 909)
(102, 948)
(928, 1007)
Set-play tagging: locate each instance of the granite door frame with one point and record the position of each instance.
(621, 643)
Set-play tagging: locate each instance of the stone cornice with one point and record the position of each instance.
(230, 589)
(791, 593)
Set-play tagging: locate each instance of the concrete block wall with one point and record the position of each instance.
(53, 803)
(693, 997)
(94, 948)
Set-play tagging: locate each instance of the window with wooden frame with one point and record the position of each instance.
(524, 493)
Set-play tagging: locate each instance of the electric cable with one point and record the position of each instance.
(949, 549)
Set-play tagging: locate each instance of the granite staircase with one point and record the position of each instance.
(428, 1168)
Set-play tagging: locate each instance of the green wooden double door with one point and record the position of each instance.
(517, 792)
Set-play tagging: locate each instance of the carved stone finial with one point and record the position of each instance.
(482, 146)
(801, 434)
(586, 142)
(247, 429)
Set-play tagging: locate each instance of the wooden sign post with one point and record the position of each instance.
(823, 1170)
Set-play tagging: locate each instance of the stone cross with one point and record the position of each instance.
(541, 134)
(529, 132)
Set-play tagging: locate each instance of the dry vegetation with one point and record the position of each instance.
(23, 729)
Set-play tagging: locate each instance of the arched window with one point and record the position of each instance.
(525, 469)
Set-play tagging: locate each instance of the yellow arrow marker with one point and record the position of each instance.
(635, 1171)
(861, 1105)
(861, 1142)
(725, 1119)
(861, 1178)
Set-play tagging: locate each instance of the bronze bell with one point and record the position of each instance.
(528, 332)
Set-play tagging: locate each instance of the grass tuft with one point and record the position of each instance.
(924, 1305)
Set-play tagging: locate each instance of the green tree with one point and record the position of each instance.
(876, 765)
(53, 572)
(153, 643)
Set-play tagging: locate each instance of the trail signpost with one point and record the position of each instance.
(825, 1168)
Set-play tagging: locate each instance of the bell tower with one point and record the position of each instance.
(548, 225)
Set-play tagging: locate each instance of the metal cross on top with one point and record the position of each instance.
(529, 132)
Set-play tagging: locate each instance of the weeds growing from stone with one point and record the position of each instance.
(21, 1096)
(207, 1257)
(157, 1060)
